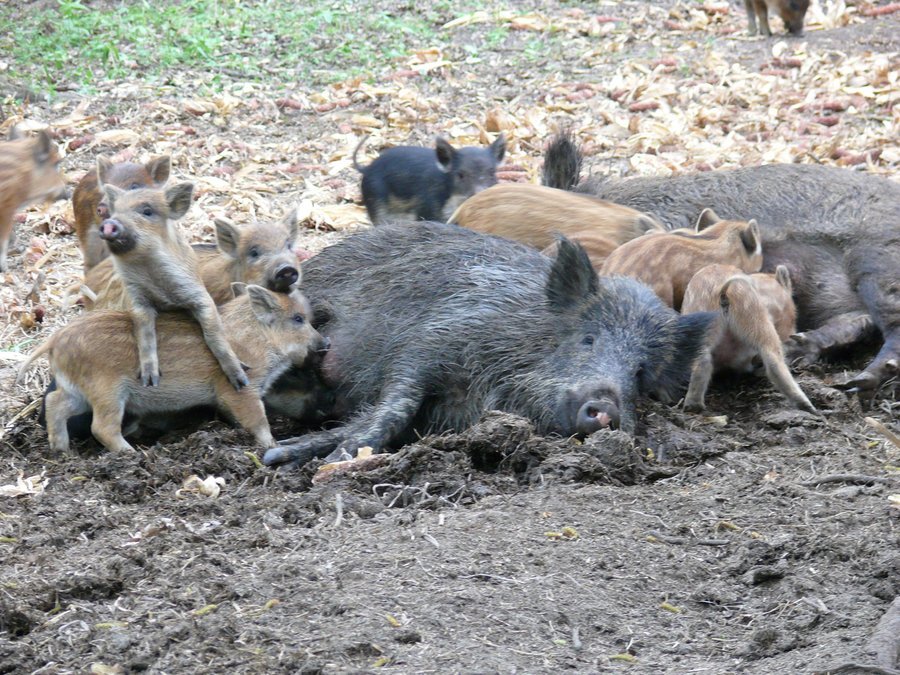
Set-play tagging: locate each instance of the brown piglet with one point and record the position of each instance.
(792, 12)
(666, 262)
(29, 172)
(160, 271)
(90, 207)
(756, 315)
(534, 214)
(93, 360)
(260, 253)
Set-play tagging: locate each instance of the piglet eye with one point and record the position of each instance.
(147, 210)
(587, 340)
(299, 319)
(253, 252)
(461, 175)
(135, 186)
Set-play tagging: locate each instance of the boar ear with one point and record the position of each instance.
(289, 221)
(572, 278)
(668, 375)
(783, 277)
(498, 148)
(238, 288)
(158, 168)
(42, 147)
(445, 154)
(751, 239)
(264, 304)
(112, 193)
(227, 237)
(104, 166)
(707, 217)
(178, 197)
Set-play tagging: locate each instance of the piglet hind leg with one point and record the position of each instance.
(60, 406)
(107, 424)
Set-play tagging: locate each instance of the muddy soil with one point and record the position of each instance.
(753, 539)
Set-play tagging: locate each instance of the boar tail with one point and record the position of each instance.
(356, 165)
(748, 319)
(562, 163)
(35, 355)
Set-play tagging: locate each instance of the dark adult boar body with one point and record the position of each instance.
(461, 323)
(837, 231)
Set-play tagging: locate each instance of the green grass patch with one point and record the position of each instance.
(80, 45)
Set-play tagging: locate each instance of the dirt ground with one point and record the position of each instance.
(756, 539)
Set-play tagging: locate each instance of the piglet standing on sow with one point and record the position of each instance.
(836, 230)
(91, 209)
(461, 323)
(411, 183)
(270, 331)
(29, 172)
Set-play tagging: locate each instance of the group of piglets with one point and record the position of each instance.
(415, 327)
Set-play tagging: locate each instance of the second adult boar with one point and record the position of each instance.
(461, 323)
(836, 230)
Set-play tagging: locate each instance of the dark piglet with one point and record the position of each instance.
(411, 183)
(836, 230)
(792, 12)
(462, 323)
(91, 208)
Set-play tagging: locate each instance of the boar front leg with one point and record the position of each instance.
(751, 17)
(214, 334)
(840, 331)
(144, 317)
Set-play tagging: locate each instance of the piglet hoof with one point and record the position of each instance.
(238, 380)
(149, 378)
(694, 406)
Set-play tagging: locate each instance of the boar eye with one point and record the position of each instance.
(587, 340)
(461, 175)
(147, 210)
(299, 319)
(253, 252)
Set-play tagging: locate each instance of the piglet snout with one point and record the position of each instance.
(110, 229)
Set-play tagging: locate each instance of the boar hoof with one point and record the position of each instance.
(694, 406)
(340, 455)
(864, 381)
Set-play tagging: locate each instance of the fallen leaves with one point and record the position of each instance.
(26, 486)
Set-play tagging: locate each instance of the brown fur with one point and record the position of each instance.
(666, 262)
(792, 12)
(597, 246)
(28, 173)
(160, 272)
(534, 214)
(90, 208)
(94, 359)
(229, 261)
(757, 314)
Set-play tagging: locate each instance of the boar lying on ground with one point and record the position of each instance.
(258, 253)
(29, 172)
(836, 230)
(534, 214)
(407, 182)
(461, 323)
(270, 331)
(792, 12)
(160, 272)
(757, 316)
(667, 262)
(91, 209)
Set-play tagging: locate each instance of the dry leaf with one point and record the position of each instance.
(32, 485)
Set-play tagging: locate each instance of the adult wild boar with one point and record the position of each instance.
(837, 231)
(461, 323)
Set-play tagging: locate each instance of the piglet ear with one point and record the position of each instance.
(445, 154)
(159, 168)
(751, 239)
(264, 304)
(179, 198)
(238, 288)
(572, 278)
(783, 277)
(104, 166)
(707, 217)
(498, 148)
(112, 193)
(290, 223)
(667, 376)
(227, 237)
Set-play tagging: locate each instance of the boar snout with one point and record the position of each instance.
(597, 414)
(285, 277)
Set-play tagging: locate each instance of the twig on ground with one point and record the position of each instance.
(669, 539)
(858, 478)
(884, 431)
(339, 507)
